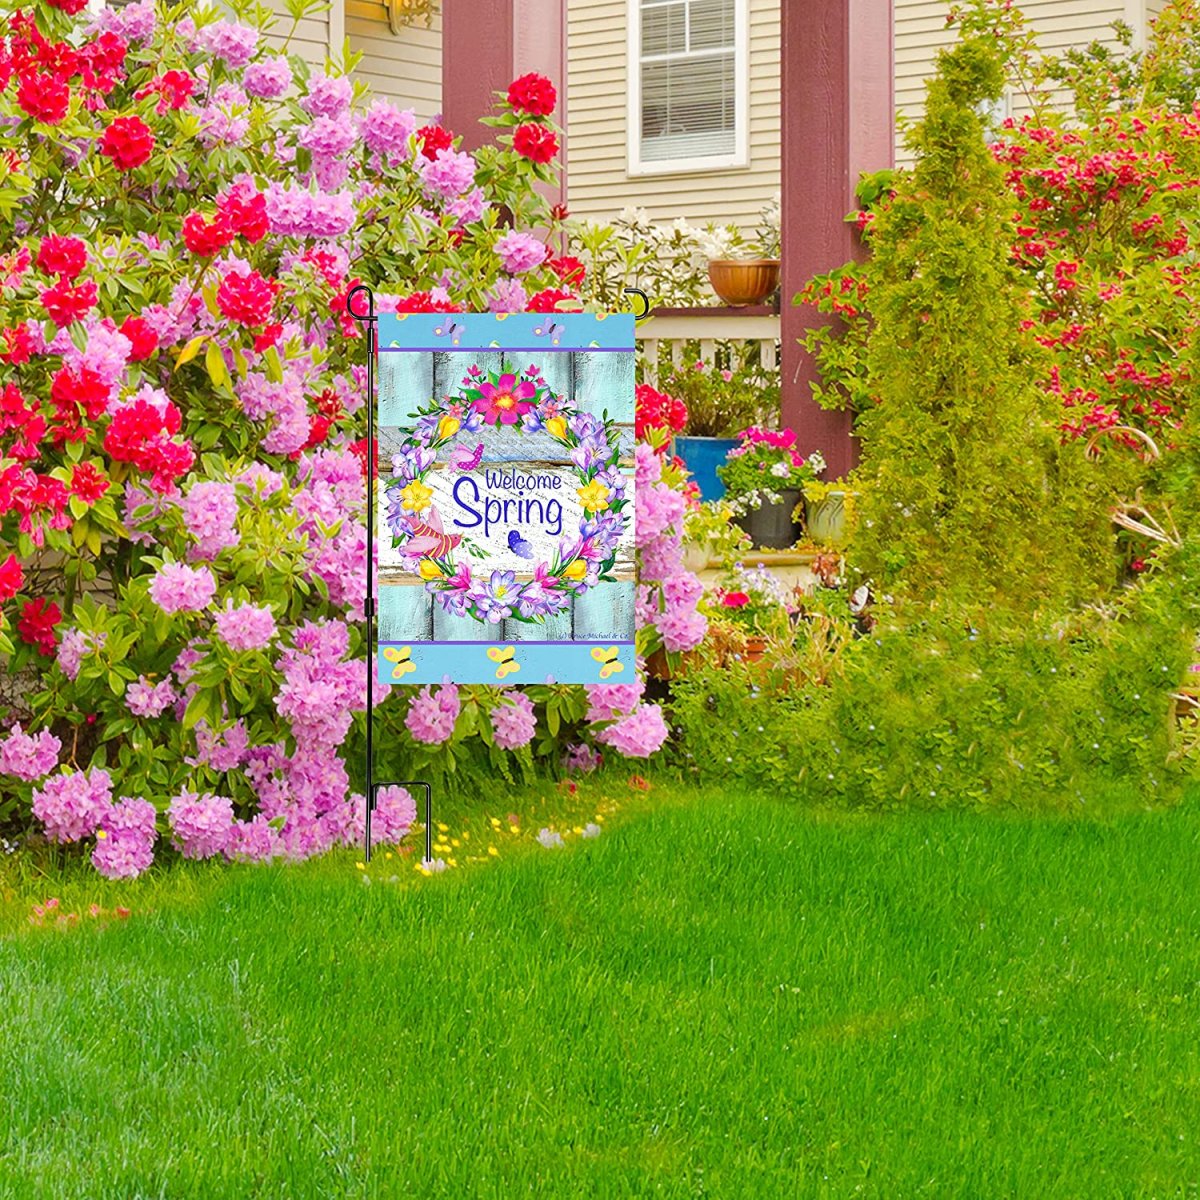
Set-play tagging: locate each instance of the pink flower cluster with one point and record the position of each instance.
(431, 715)
(178, 588)
(513, 721)
(29, 756)
(125, 839)
(246, 627)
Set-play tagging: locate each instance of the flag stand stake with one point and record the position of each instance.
(369, 322)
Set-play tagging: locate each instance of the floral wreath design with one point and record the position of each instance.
(523, 401)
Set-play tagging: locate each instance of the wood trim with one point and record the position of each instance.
(836, 111)
(337, 31)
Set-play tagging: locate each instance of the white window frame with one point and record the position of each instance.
(740, 158)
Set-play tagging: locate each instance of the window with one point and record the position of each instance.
(687, 93)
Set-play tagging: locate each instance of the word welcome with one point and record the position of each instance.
(489, 511)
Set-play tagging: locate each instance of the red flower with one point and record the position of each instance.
(559, 212)
(71, 391)
(18, 344)
(22, 419)
(533, 94)
(62, 256)
(100, 62)
(269, 336)
(43, 97)
(206, 238)
(246, 297)
(245, 213)
(88, 483)
(65, 304)
(318, 431)
(70, 7)
(11, 578)
(568, 268)
(547, 301)
(423, 302)
(435, 138)
(174, 88)
(37, 622)
(535, 142)
(128, 142)
(657, 410)
(141, 337)
(141, 434)
(735, 600)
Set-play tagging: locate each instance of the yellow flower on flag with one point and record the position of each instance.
(416, 496)
(428, 569)
(593, 497)
(447, 427)
(576, 570)
(556, 427)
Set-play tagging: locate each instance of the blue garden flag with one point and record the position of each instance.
(506, 498)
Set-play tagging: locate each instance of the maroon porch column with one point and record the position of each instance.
(486, 44)
(838, 119)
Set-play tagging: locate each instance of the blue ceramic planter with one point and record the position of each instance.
(703, 456)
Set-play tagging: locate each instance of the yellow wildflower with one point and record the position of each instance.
(493, 852)
(416, 496)
(593, 497)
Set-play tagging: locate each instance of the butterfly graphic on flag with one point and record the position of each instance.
(608, 660)
(451, 329)
(505, 656)
(550, 329)
(401, 656)
(518, 545)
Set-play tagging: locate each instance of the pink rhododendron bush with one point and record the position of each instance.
(182, 472)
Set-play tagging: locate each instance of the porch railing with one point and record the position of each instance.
(670, 328)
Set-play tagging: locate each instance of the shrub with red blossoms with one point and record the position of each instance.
(182, 499)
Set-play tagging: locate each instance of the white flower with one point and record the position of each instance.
(549, 838)
(816, 461)
(781, 470)
(591, 830)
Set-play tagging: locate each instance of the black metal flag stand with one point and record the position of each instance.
(368, 320)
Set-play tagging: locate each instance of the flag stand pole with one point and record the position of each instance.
(369, 321)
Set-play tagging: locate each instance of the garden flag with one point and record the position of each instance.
(506, 498)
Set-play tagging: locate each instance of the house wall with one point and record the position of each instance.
(597, 87)
(404, 67)
(310, 39)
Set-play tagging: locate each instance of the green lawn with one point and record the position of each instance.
(720, 996)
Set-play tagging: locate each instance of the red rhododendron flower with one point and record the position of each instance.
(72, 390)
(435, 138)
(423, 302)
(101, 62)
(533, 94)
(735, 600)
(70, 7)
(318, 431)
(141, 434)
(128, 142)
(245, 213)
(568, 268)
(88, 483)
(18, 344)
(13, 267)
(65, 304)
(246, 297)
(12, 576)
(269, 336)
(206, 238)
(22, 419)
(43, 97)
(547, 301)
(657, 410)
(62, 256)
(535, 142)
(174, 89)
(36, 626)
(142, 339)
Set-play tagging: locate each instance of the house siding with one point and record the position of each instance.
(597, 86)
(309, 39)
(404, 67)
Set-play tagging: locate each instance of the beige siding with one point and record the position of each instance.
(598, 182)
(921, 31)
(406, 67)
(308, 38)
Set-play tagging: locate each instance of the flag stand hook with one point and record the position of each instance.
(369, 321)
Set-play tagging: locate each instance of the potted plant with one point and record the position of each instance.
(751, 598)
(720, 399)
(710, 532)
(764, 477)
(828, 511)
(746, 272)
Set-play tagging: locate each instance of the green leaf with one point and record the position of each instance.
(214, 362)
(191, 350)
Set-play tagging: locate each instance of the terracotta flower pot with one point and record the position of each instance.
(755, 648)
(744, 281)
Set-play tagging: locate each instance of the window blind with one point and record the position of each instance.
(688, 79)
